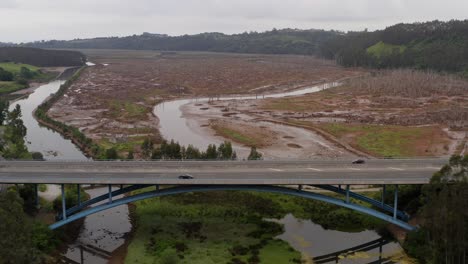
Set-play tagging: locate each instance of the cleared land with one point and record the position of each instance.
(407, 113)
(388, 113)
(113, 104)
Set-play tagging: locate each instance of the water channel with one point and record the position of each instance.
(102, 233)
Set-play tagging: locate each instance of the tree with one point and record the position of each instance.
(147, 147)
(225, 151)
(446, 219)
(211, 152)
(192, 153)
(4, 105)
(111, 154)
(26, 73)
(130, 155)
(16, 245)
(37, 156)
(254, 154)
(5, 76)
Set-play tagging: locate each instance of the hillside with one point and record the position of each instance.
(41, 57)
(436, 45)
(286, 41)
(441, 46)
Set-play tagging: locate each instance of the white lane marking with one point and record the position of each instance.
(433, 168)
(314, 169)
(356, 169)
(275, 169)
(398, 169)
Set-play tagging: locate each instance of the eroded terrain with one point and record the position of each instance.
(112, 102)
(394, 113)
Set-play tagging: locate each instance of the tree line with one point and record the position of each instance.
(284, 41)
(443, 236)
(171, 150)
(41, 57)
(436, 45)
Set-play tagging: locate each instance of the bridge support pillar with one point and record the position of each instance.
(395, 203)
(36, 196)
(157, 187)
(110, 193)
(299, 187)
(64, 205)
(347, 193)
(78, 191)
(384, 189)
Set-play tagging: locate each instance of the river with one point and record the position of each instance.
(174, 125)
(102, 233)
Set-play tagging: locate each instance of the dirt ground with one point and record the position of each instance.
(396, 100)
(274, 141)
(112, 102)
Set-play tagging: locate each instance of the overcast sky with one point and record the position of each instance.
(28, 20)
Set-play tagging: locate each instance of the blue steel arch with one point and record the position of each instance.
(379, 204)
(257, 188)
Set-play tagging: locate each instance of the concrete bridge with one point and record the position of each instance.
(283, 177)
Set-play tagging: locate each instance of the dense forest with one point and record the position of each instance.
(443, 235)
(285, 41)
(436, 45)
(41, 57)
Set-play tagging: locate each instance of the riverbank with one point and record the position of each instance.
(79, 139)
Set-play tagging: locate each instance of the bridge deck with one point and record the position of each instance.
(417, 171)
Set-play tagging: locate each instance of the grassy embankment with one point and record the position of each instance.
(244, 136)
(374, 139)
(385, 140)
(227, 227)
(15, 68)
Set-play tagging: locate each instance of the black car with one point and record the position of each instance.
(185, 177)
(359, 161)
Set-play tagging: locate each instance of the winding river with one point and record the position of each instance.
(102, 233)
(174, 125)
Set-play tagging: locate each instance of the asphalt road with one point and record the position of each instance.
(383, 171)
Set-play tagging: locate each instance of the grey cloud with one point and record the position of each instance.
(26, 20)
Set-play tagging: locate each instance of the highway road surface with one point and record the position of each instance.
(286, 172)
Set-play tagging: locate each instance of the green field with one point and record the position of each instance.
(226, 227)
(16, 67)
(9, 87)
(386, 140)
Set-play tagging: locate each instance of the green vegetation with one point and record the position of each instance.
(129, 110)
(41, 58)
(382, 49)
(173, 150)
(285, 41)
(443, 237)
(16, 76)
(228, 227)
(9, 87)
(24, 240)
(254, 154)
(380, 140)
(437, 45)
(235, 135)
(13, 131)
(15, 68)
